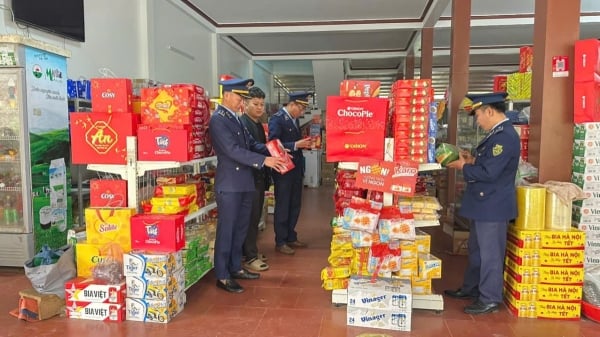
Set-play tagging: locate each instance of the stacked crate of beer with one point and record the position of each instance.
(410, 114)
(544, 273)
(95, 300)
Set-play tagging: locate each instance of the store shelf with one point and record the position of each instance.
(422, 167)
(202, 211)
(201, 276)
(10, 189)
(143, 166)
(427, 223)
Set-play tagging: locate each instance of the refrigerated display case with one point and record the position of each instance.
(34, 148)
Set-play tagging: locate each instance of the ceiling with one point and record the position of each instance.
(371, 39)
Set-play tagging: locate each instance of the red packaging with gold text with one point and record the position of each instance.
(525, 59)
(108, 193)
(101, 138)
(173, 105)
(353, 88)
(276, 149)
(355, 128)
(500, 83)
(112, 94)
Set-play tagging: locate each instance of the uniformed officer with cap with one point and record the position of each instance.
(284, 125)
(489, 201)
(238, 154)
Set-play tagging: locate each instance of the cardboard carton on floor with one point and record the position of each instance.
(34, 306)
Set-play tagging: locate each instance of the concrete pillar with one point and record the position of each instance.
(555, 31)
(426, 52)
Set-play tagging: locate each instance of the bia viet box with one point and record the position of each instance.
(385, 293)
(587, 60)
(156, 288)
(109, 225)
(90, 290)
(157, 232)
(151, 265)
(109, 312)
(354, 88)
(165, 142)
(155, 311)
(108, 193)
(101, 138)
(111, 94)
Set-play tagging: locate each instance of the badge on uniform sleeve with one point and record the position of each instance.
(497, 150)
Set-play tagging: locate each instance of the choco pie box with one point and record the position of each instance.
(112, 94)
(108, 193)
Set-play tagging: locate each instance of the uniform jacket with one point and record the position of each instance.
(490, 193)
(287, 130)
(238, 154)
(258, 133)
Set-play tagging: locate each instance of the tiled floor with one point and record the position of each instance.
(288, 301)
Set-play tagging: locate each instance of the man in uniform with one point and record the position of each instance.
(254, 110)
(489, 202)
(238, 154)
(284, 126)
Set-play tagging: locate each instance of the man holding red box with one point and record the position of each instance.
(284, 126)
(238, 154)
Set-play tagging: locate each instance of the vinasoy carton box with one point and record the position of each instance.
(151, 265)
(109, 312)
(382, 293)
(91, 290)
(378, 318)
(587, 131)
(156, 288)
(155, 311)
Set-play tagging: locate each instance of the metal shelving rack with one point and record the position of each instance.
(133, 170)
(429, 302)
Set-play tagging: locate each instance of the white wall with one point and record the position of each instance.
(181, 47)
(263, 78)
(157, 39)
(112, 39)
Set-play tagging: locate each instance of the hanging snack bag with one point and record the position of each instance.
(362, 215)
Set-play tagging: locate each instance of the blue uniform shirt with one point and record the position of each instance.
(490, 193)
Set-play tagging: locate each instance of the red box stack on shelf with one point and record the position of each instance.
(409, 118)
(174, 123)
(587, 81)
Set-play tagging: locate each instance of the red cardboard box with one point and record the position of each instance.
(586, 102)
(165, 142)
(354, 88)
(100, 137)
(112, 95)
(158, 232)
(276, 149)
(91, 290)
(411, 84)
(179, 105)
(109, 312)
(500, 83)
(587, 60)
(108, 193)
(412, 92)
(525, 59)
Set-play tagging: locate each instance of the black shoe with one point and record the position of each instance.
(481, 308)
(230, 285)
(459, 293)
(245, 275)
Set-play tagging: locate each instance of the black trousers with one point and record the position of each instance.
(250, 248)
